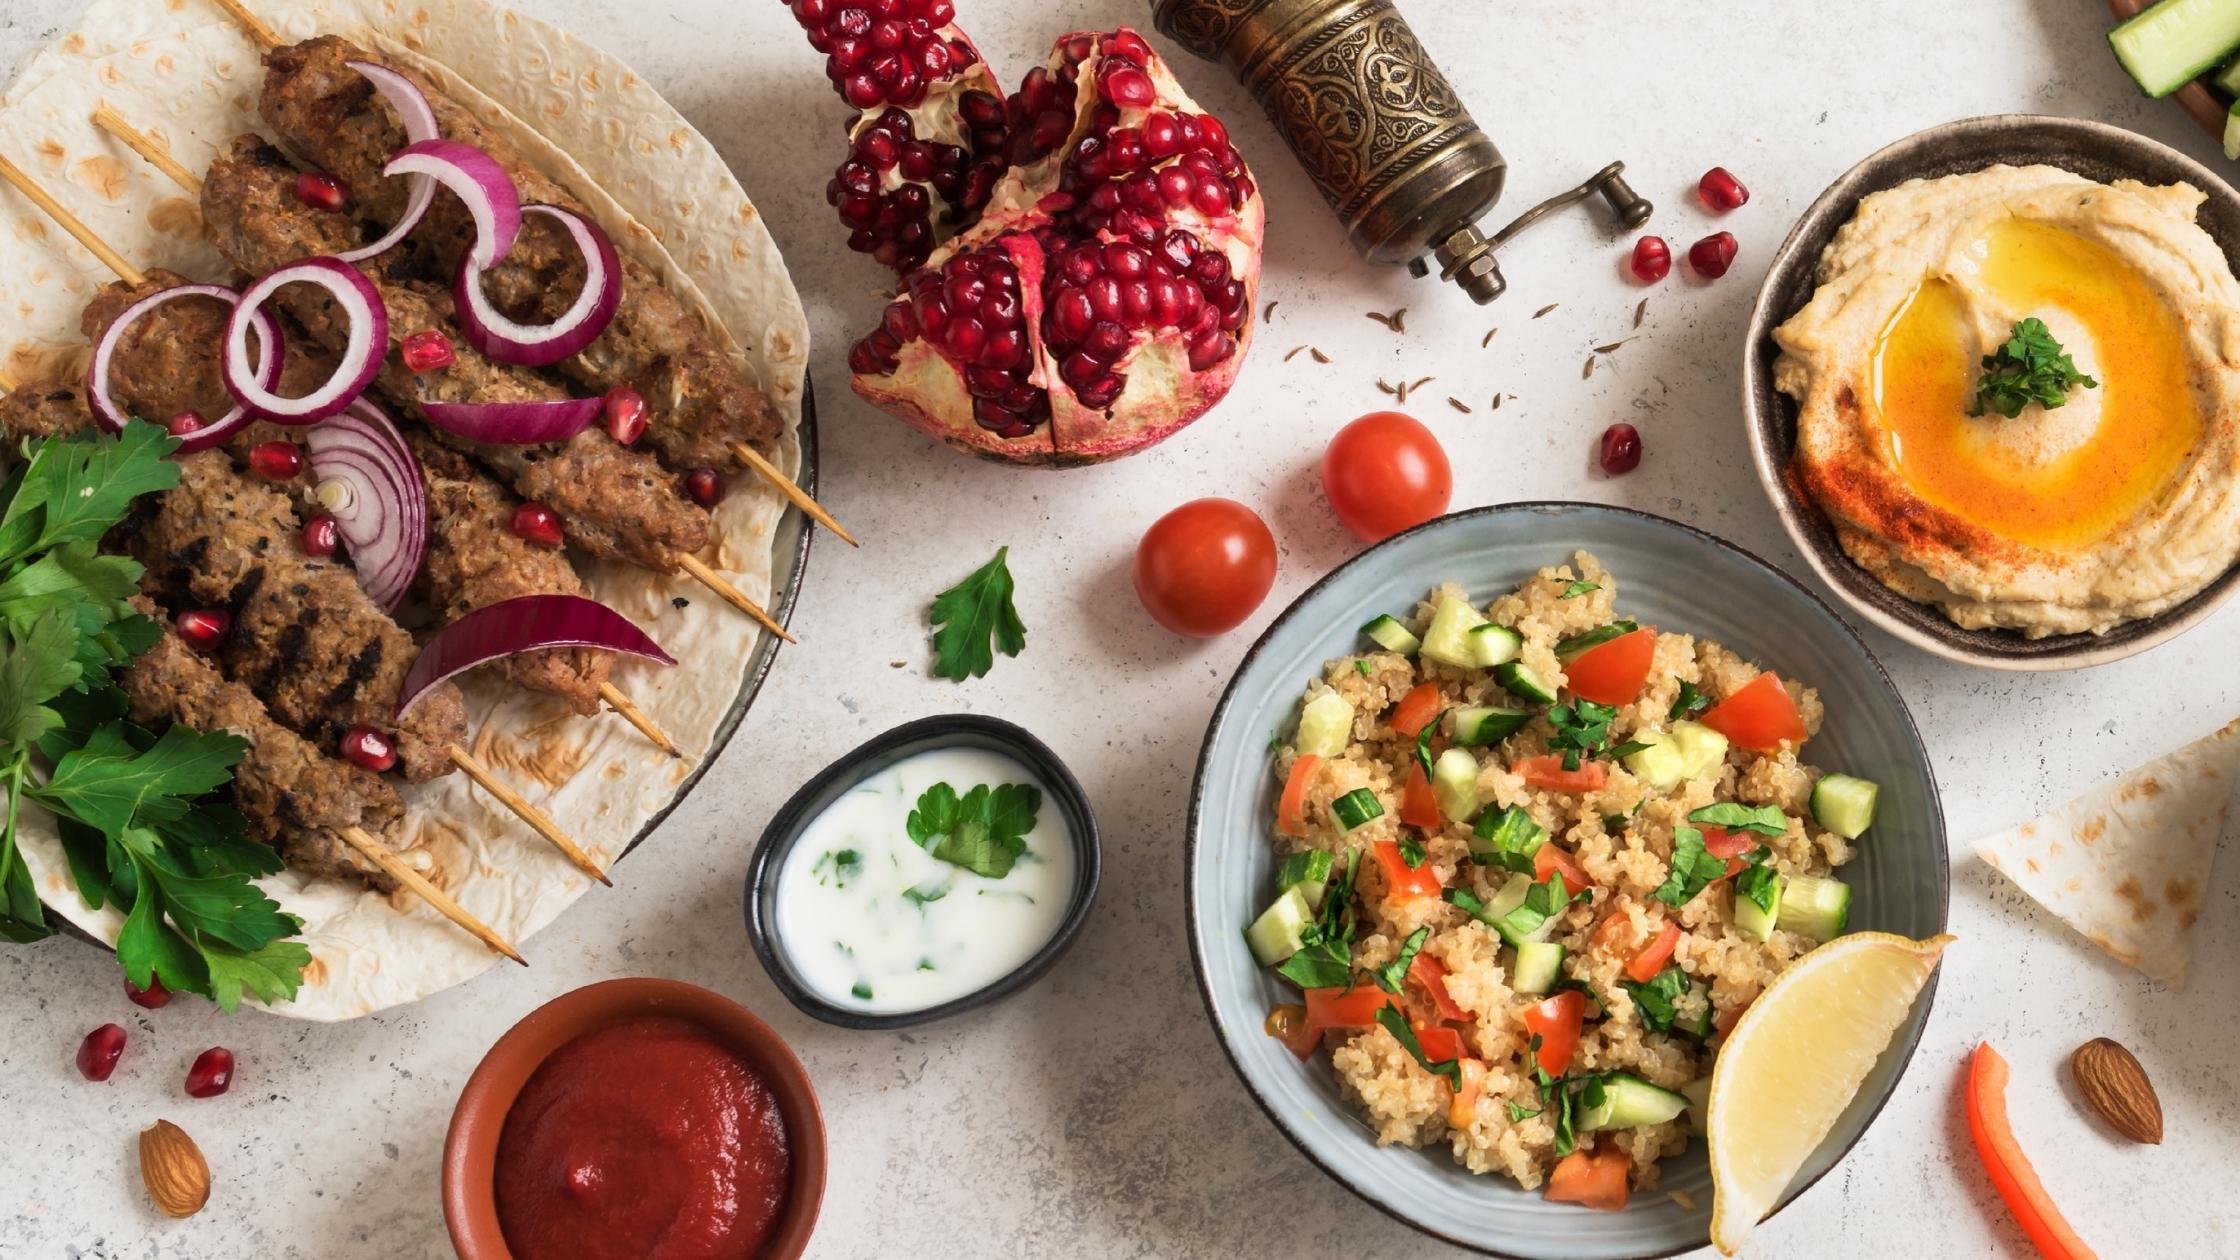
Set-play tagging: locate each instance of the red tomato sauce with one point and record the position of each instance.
(647, 1139)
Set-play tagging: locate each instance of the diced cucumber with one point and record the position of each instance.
(1492, 645)
(1390, 635)
(1482, 726)
(1523, 683)
(1509, 898)
(2232, 130)
(1356, 809)
(1843, 804)
(1698, 1094)
(1701, 749)
(2167, 46)
(1508, 839)
(1538, 963)
(1755, 923)
(1629, 1102)
(2227, 80)
(1325, 725)
(1454, 782)
(1525, 923)
(1447, 638)
(1280, 931)
(1658, 765)
(1308, 872)
(1573, 646)
(1814, 907)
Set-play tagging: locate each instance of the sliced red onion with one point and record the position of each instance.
(360, 360)
(523, 624)
(515, 423)
(478, 181)
(419, 120)
(538, 345)
(270, 348)
(370, 482)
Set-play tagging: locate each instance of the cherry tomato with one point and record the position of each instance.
(1202, 568)
(1408, 883)
(1419, 806)
(1549, 860)
(1415, 710)
(1614, 672)
(1384, 473)
(1651, 959)
(1556, 1023)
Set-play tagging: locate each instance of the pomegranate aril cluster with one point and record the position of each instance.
(895, 225)
(883, 52)
(970, 310)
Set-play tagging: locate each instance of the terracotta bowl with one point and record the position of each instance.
(470, 1150)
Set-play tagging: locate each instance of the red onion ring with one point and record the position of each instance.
(419, 119)
(361, 355)
(515, 423)
(477, 180)
(379, 502)
(527, 623)
(270, 349)
(489, 330)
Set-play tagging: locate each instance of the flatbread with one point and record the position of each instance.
(2127, 863)
(183, 70)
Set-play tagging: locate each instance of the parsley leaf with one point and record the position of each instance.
(39, 665)
(1320, 964)
(984, 831)
(1508, 839)
(1760, 885)
(1693, 868)
(1392, 973)
(1397, 1025)
(2030, 367)
(1655, 999)
(1765, 820)
(1582, 729)
(1576, 589)
(1688, 702)
(971, 614)
(842, 864)
(1423, 744)
(1518, 1115)
(1411, 850)
(76, 486)
(111, 786)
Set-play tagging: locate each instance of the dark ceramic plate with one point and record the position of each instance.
(952, 730)
(2093, 150)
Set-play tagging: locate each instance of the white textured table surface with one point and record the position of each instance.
(1094, 1116)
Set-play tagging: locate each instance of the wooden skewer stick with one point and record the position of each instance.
(635, 716)
(69, 223)
(752, 458)
(379, 854)
(732, 595)
(528, 813)
(265, 37)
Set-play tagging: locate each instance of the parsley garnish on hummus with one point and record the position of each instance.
(2030, 368)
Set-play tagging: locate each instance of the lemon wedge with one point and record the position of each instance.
(1794, 1061)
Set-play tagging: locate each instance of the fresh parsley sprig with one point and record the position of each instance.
(974, 620)
(1582, 730)
(984, 831)
(1693, 868)
(2029, 367)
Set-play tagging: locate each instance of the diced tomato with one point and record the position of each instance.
(1440, 1043)
(1463, 1107)
(1431, 976)
(1614, 672)
(1760, 717)
(1607, 931)
(1416, 709)
(1288, 1024)
(1406, 881)
(1597, 1180)
(1654, 955)
(1547, 772)
(1418, 807)
(2010, 1171)
(1344, 1008)
(1721, 843)
(1726, 1022)
(1291, 811)
(1549, 859)
(1556, 1022)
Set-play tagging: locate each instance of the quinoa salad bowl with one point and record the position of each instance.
(1497, 831)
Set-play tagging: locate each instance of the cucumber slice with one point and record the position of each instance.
(1509, 898)
(1492, 645)
(2227, 80)
(1523, 683)
(1390, 635)
(1630, 1102)
(1568, 648)
(1325, 725)
(1659, 765)
(1308, 872)
(1526, 923)
(1698, 1094)
(1701, 749)
(1481, 727)
(1814, 907)
(1538, 963)
(1843, 804)
(2232, 131)
(1356, 809)
(1447, 638)
(1755, 923)
(1508, 839)
(2165, 47)
(1280, 931)
(1454, 782)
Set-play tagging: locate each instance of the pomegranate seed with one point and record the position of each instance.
(1621, 449)
(321, 535)
(152, 997)
(203, 629)
(538, 524)
(1721, 191)
(1651, 260)
(276, 460)
(626, 414)
(1712, 255)
(705, 485)
(370, 747)
(212, 1073)
(99, 1052)
(322, 191)
(184, 423)
(426, 351)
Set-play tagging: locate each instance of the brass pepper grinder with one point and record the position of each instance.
(1379, 129)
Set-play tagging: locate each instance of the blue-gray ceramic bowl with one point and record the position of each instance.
(1679, 578)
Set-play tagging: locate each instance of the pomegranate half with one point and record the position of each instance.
(1079, 260)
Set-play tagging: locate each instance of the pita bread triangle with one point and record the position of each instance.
(2127, 863)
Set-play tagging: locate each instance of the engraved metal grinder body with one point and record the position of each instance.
(1380, 130)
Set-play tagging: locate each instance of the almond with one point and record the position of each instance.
(2112, 1081)
(178, 1177)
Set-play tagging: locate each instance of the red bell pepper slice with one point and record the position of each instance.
(1549, 860)
(1556, 1021)
(1418, 806)
(1291, 811)
(1547, 772)
(1406, 881)
(1613, 672)
(1654, 955)
(1760, 716)
(1430, 975)
(1597, 1180)
(1416, 709)
(2011, 1174)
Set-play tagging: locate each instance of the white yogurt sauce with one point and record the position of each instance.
(873, 922)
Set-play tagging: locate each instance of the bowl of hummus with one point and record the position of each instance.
(1993, 382)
